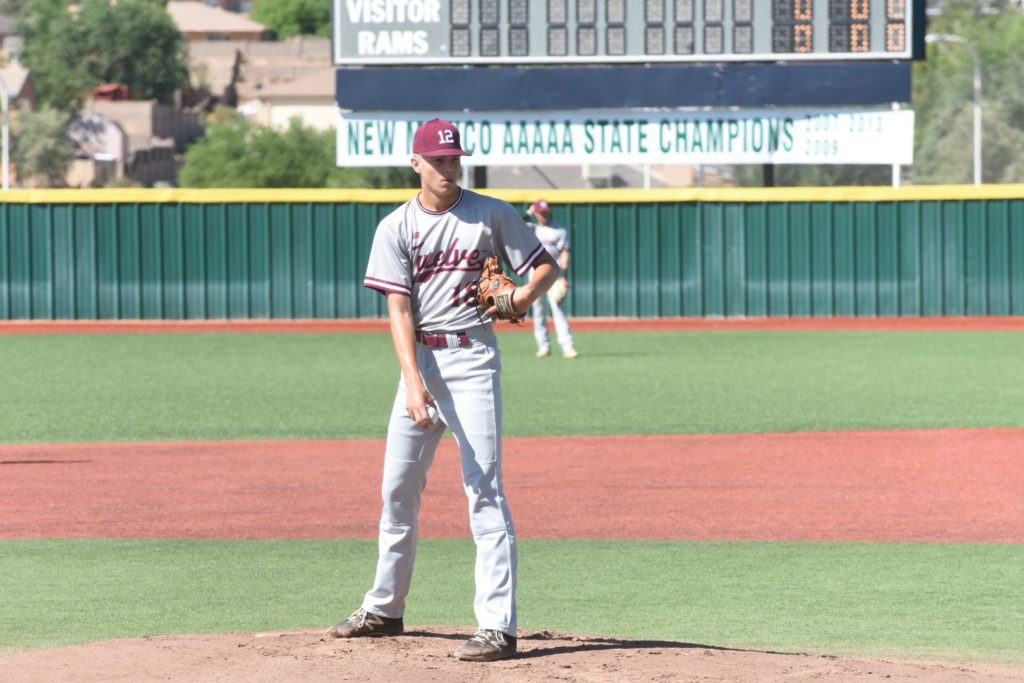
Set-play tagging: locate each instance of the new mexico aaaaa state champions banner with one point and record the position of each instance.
(555, 138)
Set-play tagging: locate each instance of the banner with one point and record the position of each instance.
(648, 137)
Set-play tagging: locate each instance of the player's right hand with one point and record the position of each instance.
(422, 409)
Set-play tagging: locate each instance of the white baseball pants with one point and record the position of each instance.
(466, 384)
(540, 324)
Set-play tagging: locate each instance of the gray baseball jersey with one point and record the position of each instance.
(436, 257)
(554, 237)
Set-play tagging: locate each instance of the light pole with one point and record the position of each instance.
(5, 103)
(950, 38)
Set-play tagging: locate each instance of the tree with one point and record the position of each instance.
(54, 50)
(131, 42)
(135, 43)
(377, 178)
(288, 18)
(40, 146)
(810, 175)
(943, 95)
(234, 153)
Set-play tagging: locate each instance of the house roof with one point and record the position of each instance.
(191, 16)
(317, 83)
(264, 62)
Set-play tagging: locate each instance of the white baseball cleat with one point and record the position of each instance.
(570, 353)
(543, 353)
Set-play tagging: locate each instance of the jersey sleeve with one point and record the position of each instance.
(516, 241)
(389, 270)
(563, 240)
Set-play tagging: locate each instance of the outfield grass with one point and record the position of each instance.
(956, 602)
(67, 388)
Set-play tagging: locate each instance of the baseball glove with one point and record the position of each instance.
(559, 290)
(494, 288)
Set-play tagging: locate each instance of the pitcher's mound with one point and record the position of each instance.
(424, 654)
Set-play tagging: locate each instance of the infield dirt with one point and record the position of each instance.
(924, 486)
(423, 654)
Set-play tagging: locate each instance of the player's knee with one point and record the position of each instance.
(481, 477)
(399, 513)
(496, 526)
(488, 516)
(395, 491)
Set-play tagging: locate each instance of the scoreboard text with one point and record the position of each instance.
(456, 32)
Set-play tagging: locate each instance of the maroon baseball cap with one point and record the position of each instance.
(438, 138)
(540, 206)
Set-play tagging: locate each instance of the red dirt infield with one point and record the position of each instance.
(925, 486)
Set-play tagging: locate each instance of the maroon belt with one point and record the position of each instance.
(441, 340)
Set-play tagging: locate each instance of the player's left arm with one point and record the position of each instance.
(523, 251)
(563, 264)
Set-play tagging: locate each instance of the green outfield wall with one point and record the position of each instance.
(793, 252)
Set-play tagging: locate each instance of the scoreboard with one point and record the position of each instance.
(512, 32)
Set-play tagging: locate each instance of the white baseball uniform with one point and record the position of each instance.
(435, 258)
(555, 239)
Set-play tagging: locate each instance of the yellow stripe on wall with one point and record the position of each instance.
(589, 196)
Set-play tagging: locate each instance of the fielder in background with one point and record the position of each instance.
(427, 257)
(555, 239)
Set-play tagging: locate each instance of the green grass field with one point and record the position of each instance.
(955, 601)
(941, 601)
(69, 388)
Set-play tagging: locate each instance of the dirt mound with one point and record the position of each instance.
(424, 654)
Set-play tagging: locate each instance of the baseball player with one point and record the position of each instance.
(555, 239)
(426, 258)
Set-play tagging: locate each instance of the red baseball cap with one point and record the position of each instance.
(540, 206)
(438, 138)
